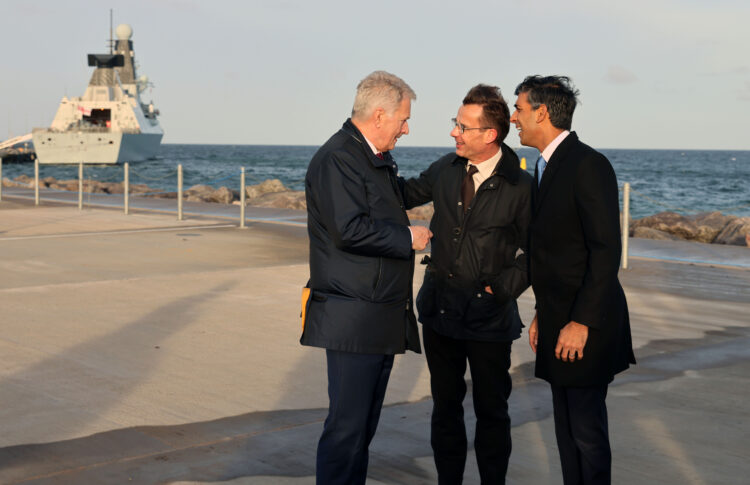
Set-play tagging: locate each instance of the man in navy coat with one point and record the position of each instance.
(581, 330)
(360, 305)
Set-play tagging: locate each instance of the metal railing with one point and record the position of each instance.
(126, 176)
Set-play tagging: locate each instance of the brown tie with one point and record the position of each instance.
(467, 187)
(380, 155)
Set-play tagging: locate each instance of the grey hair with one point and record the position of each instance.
(380, 90)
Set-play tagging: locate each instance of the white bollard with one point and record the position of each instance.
(126, 188)
(1, 178)
(80, 185)
(242, 198)
(179, 192)
(625, 224)
(36, 181)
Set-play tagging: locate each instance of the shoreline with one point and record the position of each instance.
(705, 227)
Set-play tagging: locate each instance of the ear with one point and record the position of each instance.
(541, 113)
(490, 136)
(377, 116)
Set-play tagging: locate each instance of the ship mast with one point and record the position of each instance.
(111, 40)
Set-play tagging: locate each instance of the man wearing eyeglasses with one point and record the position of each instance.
(477, 269)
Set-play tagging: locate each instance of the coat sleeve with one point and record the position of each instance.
(514, 278)
(597, 204)
(418, 190)
(344, 210)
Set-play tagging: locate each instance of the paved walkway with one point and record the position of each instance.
(142, 349)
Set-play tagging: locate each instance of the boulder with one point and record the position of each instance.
(205, 193)
(735, 232)
(265, 187)
(710, 224)
(140, 189)
(423, 212)
(10, 183)
(670, 222)
(223, 195)
(112, 187)
(48, 181)
(282, 200)
(71, 185)
(25, 180)
(644, 232)
(199, 193)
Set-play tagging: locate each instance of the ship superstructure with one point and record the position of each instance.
(109, 123)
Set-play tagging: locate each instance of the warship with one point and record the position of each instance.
(109, 123)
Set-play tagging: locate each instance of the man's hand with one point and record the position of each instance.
(534, 333)
(571, 341)
(420, 237)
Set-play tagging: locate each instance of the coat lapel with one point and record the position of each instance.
(553, 165)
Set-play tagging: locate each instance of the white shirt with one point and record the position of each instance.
(547, 153)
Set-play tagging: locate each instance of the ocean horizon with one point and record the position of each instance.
(686, 181)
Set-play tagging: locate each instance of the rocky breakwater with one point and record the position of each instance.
(269, 193)
(707, 227)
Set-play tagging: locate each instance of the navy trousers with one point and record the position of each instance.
(356, 389)
(582, 434)
(491, 385)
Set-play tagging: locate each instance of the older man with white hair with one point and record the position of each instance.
(358, 303)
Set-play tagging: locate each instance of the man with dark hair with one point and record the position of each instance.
(581, 330)
(359, 305)
(477, 269)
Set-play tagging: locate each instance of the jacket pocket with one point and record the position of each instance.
(426, 298)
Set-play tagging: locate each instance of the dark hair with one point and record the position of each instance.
(557, 93)
(495, 112)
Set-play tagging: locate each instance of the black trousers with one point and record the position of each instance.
(491, 385)
(356, 389)
(582, 434)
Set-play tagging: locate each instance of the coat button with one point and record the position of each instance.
(460, 203)
(450, 275)
(479, 295)
(442, 311)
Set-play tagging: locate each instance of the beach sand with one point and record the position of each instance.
(144, 349)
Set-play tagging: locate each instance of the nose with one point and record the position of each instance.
(454, 132)
(514, 117)
(405, 128)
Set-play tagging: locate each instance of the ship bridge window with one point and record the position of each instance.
(99, 117)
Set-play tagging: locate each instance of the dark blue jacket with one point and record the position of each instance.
(475, 250)
(361, 260)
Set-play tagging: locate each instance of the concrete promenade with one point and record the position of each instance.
(142, 349)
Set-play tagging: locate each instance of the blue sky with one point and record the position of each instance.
(652, 74)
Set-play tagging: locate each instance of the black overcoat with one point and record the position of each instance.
(361, 260)
(483, 247)
(575, 249)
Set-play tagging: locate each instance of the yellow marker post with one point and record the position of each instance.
(523, 163)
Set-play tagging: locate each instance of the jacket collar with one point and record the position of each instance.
(350, 129)
(560, 153)
(508, 167)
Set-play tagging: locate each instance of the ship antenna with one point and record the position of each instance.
(111, 41)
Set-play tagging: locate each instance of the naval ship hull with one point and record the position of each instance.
(94, 147)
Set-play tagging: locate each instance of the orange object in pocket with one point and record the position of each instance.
(306, 293)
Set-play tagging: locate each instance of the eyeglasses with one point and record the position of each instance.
(462, 128)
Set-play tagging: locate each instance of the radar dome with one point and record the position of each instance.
(124, 32)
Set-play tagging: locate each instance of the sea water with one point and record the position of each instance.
(684, 181)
